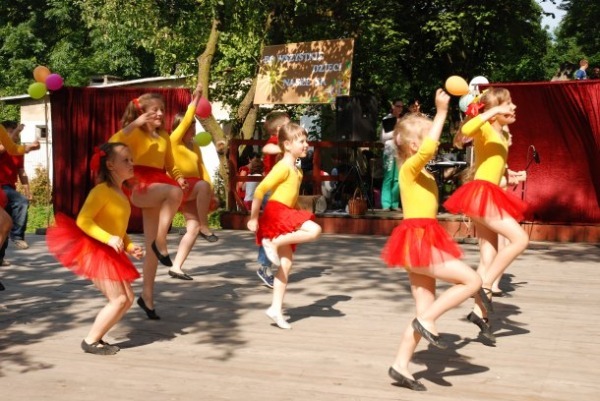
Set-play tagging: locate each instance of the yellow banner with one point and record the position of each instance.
(307, 72)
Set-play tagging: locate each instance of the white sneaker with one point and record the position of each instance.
(271, 252)
(278, 319)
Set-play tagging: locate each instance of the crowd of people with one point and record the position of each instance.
(143, 165)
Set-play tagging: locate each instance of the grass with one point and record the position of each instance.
(43, 216)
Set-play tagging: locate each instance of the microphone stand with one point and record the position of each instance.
(529, 161)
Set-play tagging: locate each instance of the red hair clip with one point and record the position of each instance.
(473, 109)
(95, 162)
(136, 103)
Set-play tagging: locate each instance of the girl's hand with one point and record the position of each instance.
(116, 243)
(504, 109)
(136, 251)
(183, 183)
(144, 119)
(253, 225)
(442, 99)
(34, 146)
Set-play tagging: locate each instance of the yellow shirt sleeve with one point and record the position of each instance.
(104, 214)
(12, 148)
(283, 182)
(148, 150)
(418, 188)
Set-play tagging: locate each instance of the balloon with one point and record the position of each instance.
(204, 109)
(456, 86)
(40, 73)
(203, 139)
(37, 90)
(464, 101)
(54, 82)
(475, 82)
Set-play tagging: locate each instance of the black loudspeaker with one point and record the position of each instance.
(356, 118)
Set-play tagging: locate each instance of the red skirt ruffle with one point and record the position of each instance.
(278, 219)
(3, 199)
(144, 176)
(480, 198)
(419, 243)
(86, 256)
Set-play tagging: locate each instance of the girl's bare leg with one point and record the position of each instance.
(309, 231)
(423, 291)
(280, 286)
(150, 220)
(192, 227)
(119, 301)
(517, 242)
(167, 199)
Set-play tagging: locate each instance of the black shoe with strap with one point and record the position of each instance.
(486, 334)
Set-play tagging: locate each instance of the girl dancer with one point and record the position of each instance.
(420, 244)
(157, 194)
(94, 246)
(281, 226)
(198, 194)
(493, 211)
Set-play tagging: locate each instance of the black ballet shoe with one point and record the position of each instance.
(97, 348)
(164, 259)
(180, 276)
(427, 335)
(110, 346)
(2, 287)
(210, 238)
(403, 381)
(150, 312)
(486, 335)
(498, 293)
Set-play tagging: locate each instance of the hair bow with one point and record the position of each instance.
(95, 162)
(474, 108)
(136, 103)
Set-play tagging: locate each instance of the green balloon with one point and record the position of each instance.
(37, 90)
(203, 139)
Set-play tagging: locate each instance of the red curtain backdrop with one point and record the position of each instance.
(83, 118)
(562, 121)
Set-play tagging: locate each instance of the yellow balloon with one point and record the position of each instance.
(457, 86)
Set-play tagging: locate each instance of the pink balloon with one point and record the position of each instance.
(204, 109)
(54, 82)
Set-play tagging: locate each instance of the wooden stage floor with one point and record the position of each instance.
(347, 311)
(382, 222)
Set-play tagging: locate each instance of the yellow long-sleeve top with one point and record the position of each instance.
(11, 147)
(418, 188)
(188, 161)
(105, 213)
(491, 149)
(148, 150)
(284, 182)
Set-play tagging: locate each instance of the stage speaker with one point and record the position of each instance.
(356, 118)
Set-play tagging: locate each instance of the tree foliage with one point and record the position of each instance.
(402, 49)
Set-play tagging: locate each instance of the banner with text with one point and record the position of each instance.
(307, 72)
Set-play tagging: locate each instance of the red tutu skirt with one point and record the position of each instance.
(419, 243)
(278, 219)
(145, 176)
(3, 199)
(86, 256)
(480, 198)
